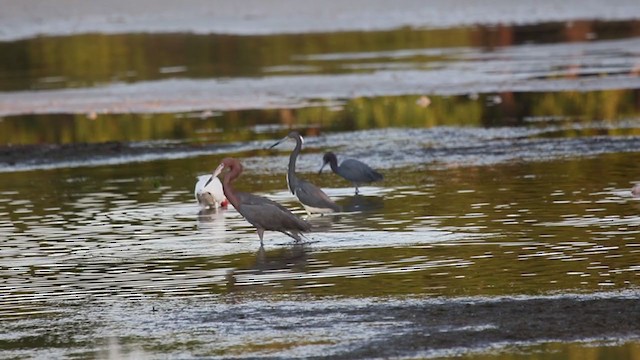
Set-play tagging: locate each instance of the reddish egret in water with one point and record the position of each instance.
(208, 191)
(310, 196)
(353, 170)
(259, 211)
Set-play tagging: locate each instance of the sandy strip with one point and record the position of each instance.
(185, 95)
(29, 18)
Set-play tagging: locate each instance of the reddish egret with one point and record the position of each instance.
(310, 196)
(259, 211)
(208, 191)
(352, 170)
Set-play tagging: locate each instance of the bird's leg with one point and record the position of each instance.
(260, 234)
(261, 255)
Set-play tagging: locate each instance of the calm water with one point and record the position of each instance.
(519, 191)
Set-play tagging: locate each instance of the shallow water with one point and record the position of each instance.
(110, 231)
(506, 197)
(104, 238)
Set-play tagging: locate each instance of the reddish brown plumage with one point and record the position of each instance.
(263, 213)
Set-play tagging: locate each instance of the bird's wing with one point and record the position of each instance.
(251, 199)
(357, 171)
(272, 217)
(313, 196)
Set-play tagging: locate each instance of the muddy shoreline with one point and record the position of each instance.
(445, 148)
(42, 154)
(317, 328)
(51, 156)
(369, 328)
(469, 325)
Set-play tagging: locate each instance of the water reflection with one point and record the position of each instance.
(323, 223)
(567, 111)
(362, 203)
(60, 62)
(293, 257)
(489, 194)
(522, 228)
(213, 222)
(117, 234)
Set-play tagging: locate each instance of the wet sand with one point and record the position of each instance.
(60, 155)
(486, 323)
(283, 92)
(431, 328)
(422, 148)
(340, 328)
(354, 328)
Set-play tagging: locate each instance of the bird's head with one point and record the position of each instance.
(292, 135)
(231, 163)
(295, 136)
(328, 158)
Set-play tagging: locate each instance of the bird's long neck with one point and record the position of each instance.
(228, 189)
(292, 179)
(333, 162)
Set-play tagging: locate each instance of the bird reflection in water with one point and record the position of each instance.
(359, 203)
(212, 219)
(323, 223)
(293, 258)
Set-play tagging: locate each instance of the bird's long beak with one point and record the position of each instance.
(322, 167)
(278, 142)
(218, 170)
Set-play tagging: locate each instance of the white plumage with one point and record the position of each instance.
(208, 191)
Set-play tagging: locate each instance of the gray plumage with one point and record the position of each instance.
(310, 196)
(351, 169)
(269, 215)
(263, 213)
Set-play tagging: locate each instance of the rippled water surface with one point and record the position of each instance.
(472, 230)
(508, 153)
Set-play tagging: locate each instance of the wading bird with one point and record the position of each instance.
(310, 196)
(351, 169)
(208, 191)
(262, 213)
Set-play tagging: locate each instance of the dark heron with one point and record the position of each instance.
(353, 170)
(310, 196)
(259, 211)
